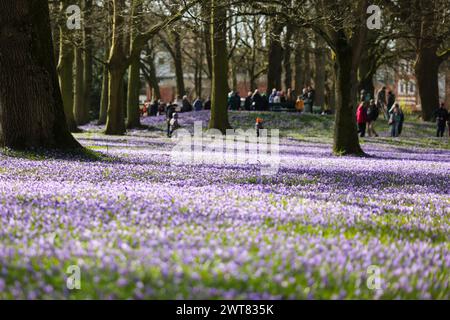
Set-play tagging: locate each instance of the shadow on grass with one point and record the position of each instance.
(79, 155)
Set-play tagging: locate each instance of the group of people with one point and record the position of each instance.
(180, 104)
(368, 112)
(305, 101)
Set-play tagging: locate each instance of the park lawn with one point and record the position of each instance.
(140, 227)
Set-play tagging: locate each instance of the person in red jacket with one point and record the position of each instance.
(361, 119)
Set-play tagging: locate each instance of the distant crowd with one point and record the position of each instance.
(254, 101)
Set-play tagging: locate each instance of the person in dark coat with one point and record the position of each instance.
(186, 105)
(257, 100)
(169, 114)
(312, 95)
(198, 104)
(265, 102)
(235, 101)
(372, 116)
(390, 100)
(402, 120)
(207, 104)
(248, 102)
(441, 115)
(154, 108)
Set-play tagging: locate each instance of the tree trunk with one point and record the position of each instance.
(219, 111)
(275, 58)
(115, 123)
(206, 12)
(104, 97)
(134, 87)
(447, 85)
(65, 71)
(287, 58)
(117, 64)
(103, 114)
(151, 77)
(80, 109)
(345, 134)
(87, 57)
(134, 73)
(298, 63)
(306, 61)
(319, 77)
(427, 73)
(31, 106)
(367, 70)
(178, 61)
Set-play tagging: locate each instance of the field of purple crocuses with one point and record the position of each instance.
(138, 226)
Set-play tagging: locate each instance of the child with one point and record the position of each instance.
(299, 104)
(174, 125)
(258, 125)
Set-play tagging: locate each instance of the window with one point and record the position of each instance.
(161, 61)
(401, 87)
(412, 88)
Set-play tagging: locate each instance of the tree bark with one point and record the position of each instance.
(80, 109)
(87, 57)
(427, 75)
(117, 64)
(287, 58)
(345, 134)
(298, 63)
(65, 73)
(134, 87)
(275, 58)
(104, 97)
(306, 61)
(206, 11)
(178, 61)
(447, 85)
(151, 77)
(134, 79)
(319, 77)
(31, 106)
(219, 111)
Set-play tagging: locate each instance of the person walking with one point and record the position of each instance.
(171, 109)
(361, 119)
(441, 115)
(381, 101)
(372, 116)
(390, 101)
(173, 124)
(395, 120)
